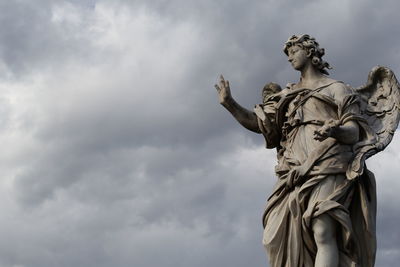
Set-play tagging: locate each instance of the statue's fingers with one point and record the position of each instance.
(217, 87)
(221, 79)
(323, 133)
(318, 136)
(226, 83)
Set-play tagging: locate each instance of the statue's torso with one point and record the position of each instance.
(305, 114)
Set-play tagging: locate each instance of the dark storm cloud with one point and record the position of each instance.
(118, 153)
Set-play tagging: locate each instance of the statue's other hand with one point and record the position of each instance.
(224, 91)
(326, 130)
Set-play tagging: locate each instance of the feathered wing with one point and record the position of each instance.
(380, 107)
(266, 113)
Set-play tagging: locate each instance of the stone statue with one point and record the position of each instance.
(323, 208)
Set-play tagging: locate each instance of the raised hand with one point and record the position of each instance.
(246, 118)
(224, 91)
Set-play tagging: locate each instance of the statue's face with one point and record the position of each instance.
(297, 56)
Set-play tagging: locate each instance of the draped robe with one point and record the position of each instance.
(288, 121)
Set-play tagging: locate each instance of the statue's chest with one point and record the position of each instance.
(311, 105)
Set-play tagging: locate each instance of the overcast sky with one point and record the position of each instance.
(115, 150)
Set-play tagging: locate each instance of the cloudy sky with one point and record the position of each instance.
(115, 151)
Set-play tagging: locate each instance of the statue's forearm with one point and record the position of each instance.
(348, 133)
(245, 117)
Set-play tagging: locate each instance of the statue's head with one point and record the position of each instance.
(313, 51)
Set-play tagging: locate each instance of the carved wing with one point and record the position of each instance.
(380, 106)
(268, 90)
(266, 113)
(380, 109)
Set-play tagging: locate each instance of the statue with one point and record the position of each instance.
(322, 210)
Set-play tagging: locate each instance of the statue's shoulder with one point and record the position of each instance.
(337, 89)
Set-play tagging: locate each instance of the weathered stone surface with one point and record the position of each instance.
(323, 207)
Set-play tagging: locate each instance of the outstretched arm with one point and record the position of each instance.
(245, 117)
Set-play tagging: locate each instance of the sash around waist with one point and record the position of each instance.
(290, 125)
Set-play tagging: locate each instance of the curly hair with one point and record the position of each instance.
(313, 50)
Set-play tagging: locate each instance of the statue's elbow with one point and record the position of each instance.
(355, 139)
(350, 133)
(352, 138)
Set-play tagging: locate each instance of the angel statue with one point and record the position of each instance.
(322, 211)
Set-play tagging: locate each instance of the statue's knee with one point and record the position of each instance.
(324, 232)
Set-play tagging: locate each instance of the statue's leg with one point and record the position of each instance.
(324, 226)
(324, 229)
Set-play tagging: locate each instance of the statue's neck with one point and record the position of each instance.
(309, 77)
